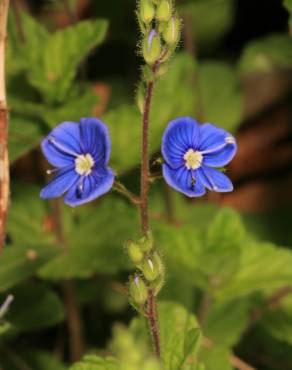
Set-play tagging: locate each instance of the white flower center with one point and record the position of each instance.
(84, 164)
(193, 159)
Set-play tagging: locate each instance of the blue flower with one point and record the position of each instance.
(80, 153)
(192, 152)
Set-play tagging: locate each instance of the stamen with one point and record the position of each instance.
(61, 147)
(53, 170)
(227, 141)
(84, 164)
(193, 159)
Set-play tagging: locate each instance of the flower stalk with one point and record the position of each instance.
(4, 161)
(160, 29)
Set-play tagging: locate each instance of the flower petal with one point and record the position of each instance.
(68, 136)
(93, 187)
(180, 135)
(59, 184)
(183, 181)
(214, 180)
(95, 139)
(219, 145)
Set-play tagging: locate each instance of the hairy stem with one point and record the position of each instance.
(144, 212)
(152, 318)
(145, 159)
(4, 161)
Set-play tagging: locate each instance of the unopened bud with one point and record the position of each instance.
(146, 242)
(138, 290)
(171, 32)
(151, 47)
(164, 11)
(150, 269)
(134, 251)
(147, 11)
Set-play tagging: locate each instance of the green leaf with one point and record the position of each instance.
(266, 54)
(225, 239)
(288, 6)
(55, 57)
(41, 360)
(278, 322)
(96, 363)
(205, 16)
(180, 338)
(132, 351)
(216, 358)
(27, 225)
(18, 262)
(226, 322)
(25, 316)
(179, 334)
(263, 267)
(221, 96)
(113, 221)
(25, 134)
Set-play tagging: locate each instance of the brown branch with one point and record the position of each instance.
(16, 10)
(235, 361)
(74, 321)
(4, 161)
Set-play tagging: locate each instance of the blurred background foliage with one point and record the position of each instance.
(226, 300)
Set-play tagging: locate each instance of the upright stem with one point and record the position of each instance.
(75, 328)
(145, 159)
(152, 317)
(4, 162)
(151, 302)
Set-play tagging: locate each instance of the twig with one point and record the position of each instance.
(5, 306)
(76, 340)
(204, 307)
(15, 358)
(16, 11)
(4, 161)
(71, 13)
(239, 363)
(234, 360)
(272, 303)
(119, 187)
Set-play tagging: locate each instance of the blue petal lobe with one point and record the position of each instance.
(95, 139)
(59, 184)
(93, 186)
(220, 158)
(180, 135)
(182, 180)
(214, 180)
(68, 135)
(219, 145)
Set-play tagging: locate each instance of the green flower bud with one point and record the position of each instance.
(151, 47)
(147, 11)
(171, 32)
(164, 11)
(146, 242)
(150, 269)
(158, 262)
(138, 290)
(135, 253)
